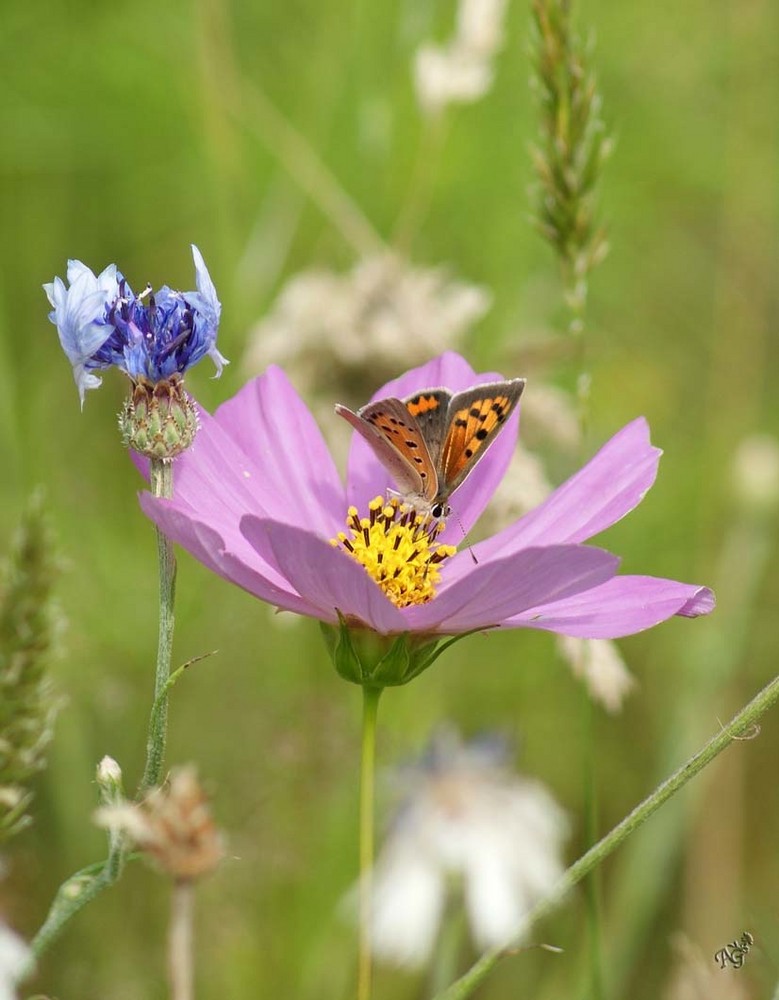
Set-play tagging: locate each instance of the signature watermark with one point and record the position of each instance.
(735, 952)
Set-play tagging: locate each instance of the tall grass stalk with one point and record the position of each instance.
(740, 725)
(571, 150)
(28, 624)
(250, 107)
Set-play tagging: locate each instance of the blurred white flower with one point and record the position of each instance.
(599, 664)
(755, 472)
(172, 825)
(551, 413)
(14, 956)
(332, 330)
(466, 819)
(461, 71)
(449, 76)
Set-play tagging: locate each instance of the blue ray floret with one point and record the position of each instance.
(151, 336)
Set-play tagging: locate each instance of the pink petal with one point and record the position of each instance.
(608, 487)
(214, 485)
(325, 576)
(495, 591)
(208, 545)
(621, 606)
(367, 477)
(268, 420)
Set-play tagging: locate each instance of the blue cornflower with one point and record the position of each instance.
(152, 337)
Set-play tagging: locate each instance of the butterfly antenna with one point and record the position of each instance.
(462, 528)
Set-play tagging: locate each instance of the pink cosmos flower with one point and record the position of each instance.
(258, 500)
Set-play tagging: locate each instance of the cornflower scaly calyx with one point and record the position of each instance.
(153, 337)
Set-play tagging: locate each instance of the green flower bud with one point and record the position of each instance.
(109, 781)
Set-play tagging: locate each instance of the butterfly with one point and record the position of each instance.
(430, 442)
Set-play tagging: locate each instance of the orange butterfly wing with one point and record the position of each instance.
(476, 416)
(398, 443)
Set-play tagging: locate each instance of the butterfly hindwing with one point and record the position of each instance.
(430, 410)
(396, 440)
(475, 417)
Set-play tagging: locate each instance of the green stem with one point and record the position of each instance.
(443, 967)
(86, 884)
(161, 486)
(591, 884)
(74, 893)
(370, 706)
(740, 724)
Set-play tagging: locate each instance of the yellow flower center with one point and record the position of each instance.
(397, 546)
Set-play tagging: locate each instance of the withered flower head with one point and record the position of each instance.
(173, 825)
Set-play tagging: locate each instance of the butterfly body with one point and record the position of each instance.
(430, 442)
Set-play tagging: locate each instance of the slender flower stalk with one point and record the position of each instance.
(367, 811)
(161, 471)
(180, 937)
(85, 885)
(592, 882)
(173, 827)
(742, 723)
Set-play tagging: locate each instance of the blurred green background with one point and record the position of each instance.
(131, 130)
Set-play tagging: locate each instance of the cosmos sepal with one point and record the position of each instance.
(364, 657)
(369, 659)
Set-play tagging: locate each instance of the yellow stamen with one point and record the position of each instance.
(397, 546)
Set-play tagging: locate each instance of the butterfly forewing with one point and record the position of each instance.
(398, 443)
(475, 417)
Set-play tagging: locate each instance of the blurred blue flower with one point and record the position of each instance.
(150, 336)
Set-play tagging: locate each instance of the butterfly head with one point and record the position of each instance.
(440, 510)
